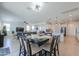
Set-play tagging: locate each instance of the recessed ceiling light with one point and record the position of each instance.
(70, 15)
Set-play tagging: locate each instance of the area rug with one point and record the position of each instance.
(4, 51)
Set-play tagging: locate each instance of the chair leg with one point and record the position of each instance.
(20, 51)
(54, 51)
(24, 52)
(57, 49)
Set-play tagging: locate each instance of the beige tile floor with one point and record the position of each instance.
(70, 46)
(13, 44)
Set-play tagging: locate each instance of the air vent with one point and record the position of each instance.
(72, 10)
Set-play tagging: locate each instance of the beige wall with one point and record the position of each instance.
(70, 27)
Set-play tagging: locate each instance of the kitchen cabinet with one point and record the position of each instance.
(1, 40)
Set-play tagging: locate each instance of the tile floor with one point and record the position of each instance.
(13, 44)
(70, 46)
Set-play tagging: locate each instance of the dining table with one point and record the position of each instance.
(39, 39)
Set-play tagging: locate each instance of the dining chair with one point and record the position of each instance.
(53, 48)
(28, 49)
(19, 34)
(57, 45)
(22, 51)
(32, 49)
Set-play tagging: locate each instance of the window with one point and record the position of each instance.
(7, 26)
(28, 28)
(40, 28)
(0, 26)
(33, 27)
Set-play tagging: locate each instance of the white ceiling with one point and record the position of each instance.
(19, 11)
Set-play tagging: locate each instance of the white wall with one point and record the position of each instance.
(13, 26)
(10, 18)
(71, 29)
(16, 24)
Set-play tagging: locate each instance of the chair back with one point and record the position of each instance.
(54, 43)
(22, 47)
(27, 46)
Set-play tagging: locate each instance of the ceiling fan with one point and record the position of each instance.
(36, 6)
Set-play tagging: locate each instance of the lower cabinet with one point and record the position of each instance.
(1, 40)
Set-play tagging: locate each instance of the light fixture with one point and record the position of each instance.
(37, 6)
(70, 15)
